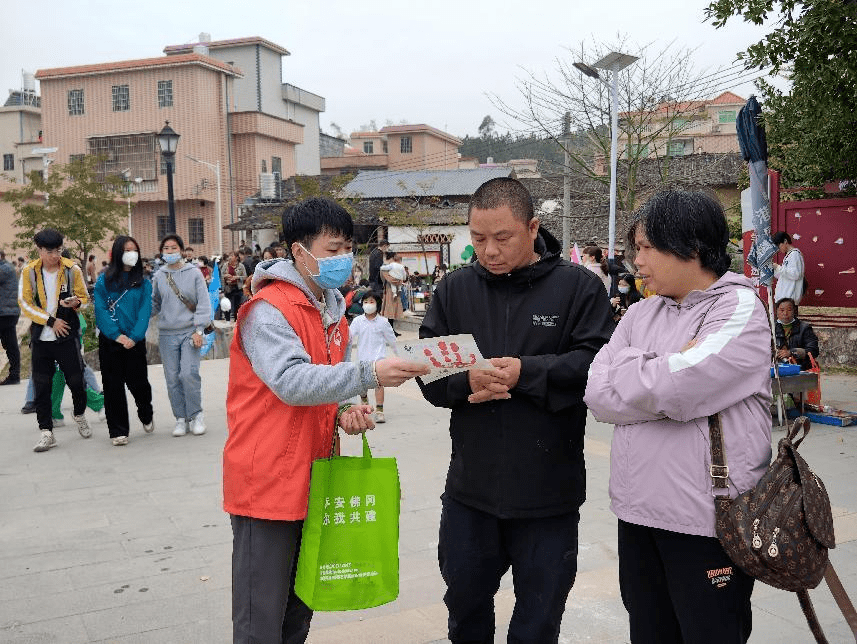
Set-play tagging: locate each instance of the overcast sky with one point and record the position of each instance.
(421, 62)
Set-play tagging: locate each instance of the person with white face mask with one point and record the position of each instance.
(123, 304)
(372, 334)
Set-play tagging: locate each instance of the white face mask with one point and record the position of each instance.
(369, 308)
(624, 289)
(130, 257)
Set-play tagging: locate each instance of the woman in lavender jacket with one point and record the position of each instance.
(701, 346)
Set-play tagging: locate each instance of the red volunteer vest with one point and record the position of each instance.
(271, 445)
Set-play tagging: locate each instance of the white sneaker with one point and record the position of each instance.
(83, 426)
(57, 422)
(101, 415)
(149, 427)
(197, 425)
(181, 427)
(379, 417)
(120, 440)
(45, 442)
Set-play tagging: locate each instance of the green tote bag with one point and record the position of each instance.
(349, 557)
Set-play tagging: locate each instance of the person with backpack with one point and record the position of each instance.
(51, 290)
(123, 305)
(700, 347)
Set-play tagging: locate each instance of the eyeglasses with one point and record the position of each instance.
(55, 251)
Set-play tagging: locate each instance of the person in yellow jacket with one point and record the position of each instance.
(51, 290)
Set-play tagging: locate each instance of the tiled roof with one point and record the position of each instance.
(386, 184)
(233, 42)
(142, 63)
(728, 97)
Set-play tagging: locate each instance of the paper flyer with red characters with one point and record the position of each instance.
(445, 355)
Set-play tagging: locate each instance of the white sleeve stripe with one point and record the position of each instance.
(715, 342)
(35, 314)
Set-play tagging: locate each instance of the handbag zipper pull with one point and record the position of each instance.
(773, 551)
(757, 540)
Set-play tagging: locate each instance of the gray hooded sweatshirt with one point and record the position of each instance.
(278, 355)
(174, 318)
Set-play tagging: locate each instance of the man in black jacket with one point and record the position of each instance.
(796, 339)
(516, 477)
(376, 259)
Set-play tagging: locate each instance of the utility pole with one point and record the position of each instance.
(566, 188)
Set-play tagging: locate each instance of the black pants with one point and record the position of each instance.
(9, 342)
(475, 551)
(681, 588)
(235, 298)
(67, 355)
(265, 608)
(121, 367)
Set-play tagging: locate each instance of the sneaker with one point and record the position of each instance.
(181, 427)
(9, 380)
(120, 440)
(83, 426)
(149, 427)
(197, 425)
(58, 422)
(379, 417)
(46, 441)
(29, 408)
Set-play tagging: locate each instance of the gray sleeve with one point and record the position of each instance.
(202, 316)
(280, 360)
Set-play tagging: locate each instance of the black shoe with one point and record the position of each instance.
(9, 380)
(396, 333)
(29, 408)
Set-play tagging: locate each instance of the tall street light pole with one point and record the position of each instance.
(614, 62)
(168, 139)
(214, 167)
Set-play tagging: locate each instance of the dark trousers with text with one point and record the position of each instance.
(67, 355)
(681, 588)
(475, 551)
(121, 367)
(264, 605)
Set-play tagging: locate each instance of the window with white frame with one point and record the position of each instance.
(165, 93)
(121, 98)
(405, 145)
(8, 162)
(75, 102)
(196, 231)
(277, 165)
(368, 147)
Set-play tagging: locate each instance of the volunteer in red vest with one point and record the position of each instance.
(289, 370)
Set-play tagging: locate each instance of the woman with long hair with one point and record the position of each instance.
(123, 304)
(627, 294)
(180, 299)
(593, 259)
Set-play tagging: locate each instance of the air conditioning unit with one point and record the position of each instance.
(267, 185)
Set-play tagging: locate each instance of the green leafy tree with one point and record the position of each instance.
(810, 127)
(88, 209)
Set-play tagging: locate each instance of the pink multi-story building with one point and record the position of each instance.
(115, 110)
(397, 147)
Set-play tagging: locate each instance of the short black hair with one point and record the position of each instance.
(390, 254)
(503, 191)
(313, 217)
(687, 225)
(371, 294)
(781, 237)
(176, 238)
(48, 238)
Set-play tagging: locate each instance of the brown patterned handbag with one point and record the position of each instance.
(779, 531)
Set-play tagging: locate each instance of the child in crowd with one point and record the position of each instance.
(371, 334)
(396, 271)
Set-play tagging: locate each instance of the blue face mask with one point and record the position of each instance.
(333, 272)
(171, 258)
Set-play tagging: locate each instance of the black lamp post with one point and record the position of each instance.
(168, 139)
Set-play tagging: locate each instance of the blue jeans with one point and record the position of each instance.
(181, 371)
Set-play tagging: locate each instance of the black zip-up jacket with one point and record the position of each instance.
(802, 337)
(521, 457)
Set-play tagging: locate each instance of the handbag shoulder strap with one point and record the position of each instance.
(184, 300)
(718, 470)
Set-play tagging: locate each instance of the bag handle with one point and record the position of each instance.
(367, 453)
(800, 423)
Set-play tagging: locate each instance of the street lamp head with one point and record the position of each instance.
(168, 139)
(616, 61)
(588, 70)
